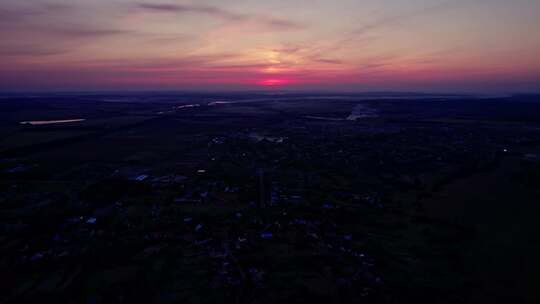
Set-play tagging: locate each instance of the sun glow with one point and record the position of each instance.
(274, 70)
(273, 82)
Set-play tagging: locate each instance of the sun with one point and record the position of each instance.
(273, 82)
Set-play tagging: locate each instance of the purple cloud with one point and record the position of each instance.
(184, 9)
(264, 21)
(83, 32)
(30, 50)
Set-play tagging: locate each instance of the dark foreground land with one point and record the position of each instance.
(191, 198)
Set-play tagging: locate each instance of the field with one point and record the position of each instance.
(257, 198)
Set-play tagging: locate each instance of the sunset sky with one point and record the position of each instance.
(340, 45)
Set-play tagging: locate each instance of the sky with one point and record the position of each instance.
(216, 45)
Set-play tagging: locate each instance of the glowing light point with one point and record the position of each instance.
(273, 82)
